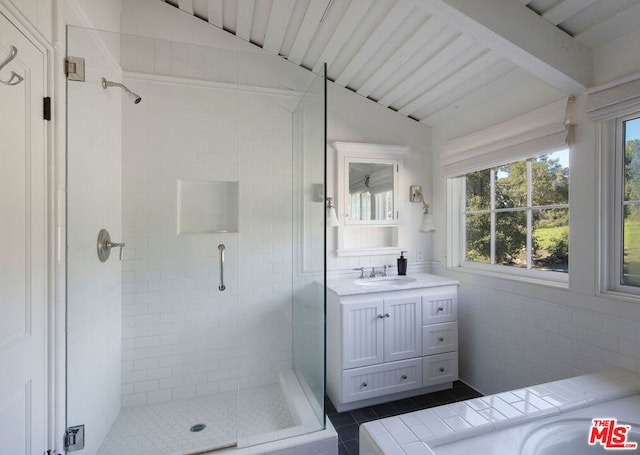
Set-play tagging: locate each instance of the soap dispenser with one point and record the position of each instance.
(402, 264)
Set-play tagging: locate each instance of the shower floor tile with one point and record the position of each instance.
(164, 428)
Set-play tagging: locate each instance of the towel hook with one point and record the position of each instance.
(15, 78)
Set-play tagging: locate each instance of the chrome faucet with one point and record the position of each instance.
(361, 269)
(373, 272)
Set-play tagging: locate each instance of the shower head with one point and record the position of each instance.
(134, 97)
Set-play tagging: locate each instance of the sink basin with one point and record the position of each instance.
(385, 281)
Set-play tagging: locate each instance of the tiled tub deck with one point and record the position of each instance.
(416, 433)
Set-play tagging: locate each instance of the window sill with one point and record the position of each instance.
(620, 295)
(551, 279)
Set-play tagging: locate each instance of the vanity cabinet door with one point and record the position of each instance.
(362, 338)
(402, 328)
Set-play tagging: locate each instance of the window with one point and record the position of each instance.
(517, 214)
(629, 248)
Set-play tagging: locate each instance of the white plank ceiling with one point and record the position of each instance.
(426, 59)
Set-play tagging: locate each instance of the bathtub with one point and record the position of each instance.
(546, 419)
(564, 434)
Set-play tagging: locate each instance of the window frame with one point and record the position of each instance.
(456, 193)
(611, 212)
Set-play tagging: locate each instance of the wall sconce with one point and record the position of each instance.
(332, 219)
(415, 195)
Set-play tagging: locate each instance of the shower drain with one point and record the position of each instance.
(197, 427)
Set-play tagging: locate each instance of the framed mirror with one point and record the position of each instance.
(367, 199)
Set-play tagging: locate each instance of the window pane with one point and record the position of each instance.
(511, 238)
(478, 238)
(632, 160)
(631, 212)
(511, 185)
(551, 240)
(479, 190)
(631, 247)
(550, 176)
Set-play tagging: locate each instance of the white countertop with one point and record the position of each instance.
(347, 286)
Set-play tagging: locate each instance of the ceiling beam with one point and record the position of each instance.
(385, 29)
(312, 18)
(564, 10)
(346, 26)
(244, 18)
(214, 7)
(186, 6)
(519, 34)
(277, 26)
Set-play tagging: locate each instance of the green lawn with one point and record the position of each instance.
(632, 252)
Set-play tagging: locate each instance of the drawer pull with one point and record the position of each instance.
(364, 384)
(441, 370)
(440, 309)
(404, 376)
(441, 339)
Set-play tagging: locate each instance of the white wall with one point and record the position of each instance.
(182, 336)
(35, 14)
(515, 334)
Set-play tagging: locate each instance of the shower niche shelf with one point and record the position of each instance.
(206, 207)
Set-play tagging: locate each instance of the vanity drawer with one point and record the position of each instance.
(439, 308)
(440, 368)
(383, 379)
(439, 338)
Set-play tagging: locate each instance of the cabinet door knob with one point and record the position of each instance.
(441, 339)
(441, 370)
(440, 308)
(364, 384)
(380, 316)
(387, 315)
(404, 376)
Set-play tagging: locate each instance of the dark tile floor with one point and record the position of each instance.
(347, 423)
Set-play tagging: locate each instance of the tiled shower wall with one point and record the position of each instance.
(182, 337)
(509, 341)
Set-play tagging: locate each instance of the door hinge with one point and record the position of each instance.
(46, 108)
(74, 69)
(74, 438)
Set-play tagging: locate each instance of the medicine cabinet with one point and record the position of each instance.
(367, 202)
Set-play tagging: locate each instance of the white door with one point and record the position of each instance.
(23, 269)
(402, 328)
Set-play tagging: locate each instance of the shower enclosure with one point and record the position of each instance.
(204, 327)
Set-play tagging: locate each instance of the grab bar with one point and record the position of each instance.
(222, 287)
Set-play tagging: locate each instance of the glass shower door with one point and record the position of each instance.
(208, 332)
(151, 338)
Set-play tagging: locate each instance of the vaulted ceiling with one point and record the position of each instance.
(427, 59)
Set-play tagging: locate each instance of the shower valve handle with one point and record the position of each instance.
(105, 245)
(117, 245)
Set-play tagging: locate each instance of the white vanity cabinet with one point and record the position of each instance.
(383, 345)
(377, 330)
